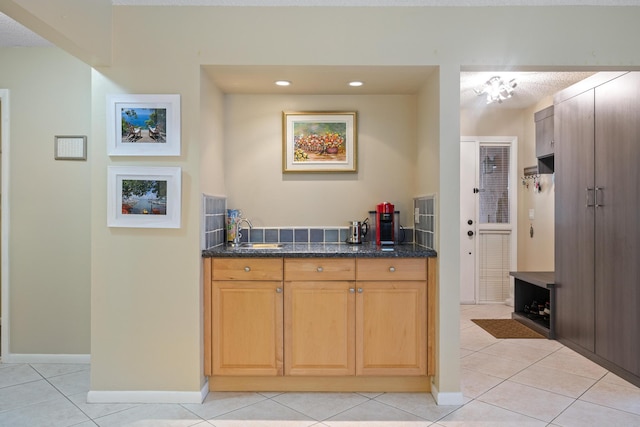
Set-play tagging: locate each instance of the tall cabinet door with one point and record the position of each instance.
(617, 225)
(574, 213)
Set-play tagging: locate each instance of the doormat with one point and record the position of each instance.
(506, 328)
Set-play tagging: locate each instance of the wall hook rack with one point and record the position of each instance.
(531, 174)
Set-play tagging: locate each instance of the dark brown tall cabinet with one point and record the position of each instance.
(597, 236)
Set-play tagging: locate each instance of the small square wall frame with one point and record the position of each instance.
(70, 147)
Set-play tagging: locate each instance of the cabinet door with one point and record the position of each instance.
(319, 328)
(617, 227)
(247, 328)
(544, 132)
(574, 228)
(391, 328)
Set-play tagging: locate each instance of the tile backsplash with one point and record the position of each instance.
(215, 208)
(426, 221)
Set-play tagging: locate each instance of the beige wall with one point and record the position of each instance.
(50, 211)
(146, 283)
(212, 151)
(253, 161)
(533, 253)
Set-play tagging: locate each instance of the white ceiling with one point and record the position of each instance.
(532, 86)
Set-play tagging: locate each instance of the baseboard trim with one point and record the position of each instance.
(46, 358)
(446, 399)
(149, 396)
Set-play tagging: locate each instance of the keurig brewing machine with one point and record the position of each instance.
(386, 223)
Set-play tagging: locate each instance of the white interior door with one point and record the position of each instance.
(468, 219)
(488, 219)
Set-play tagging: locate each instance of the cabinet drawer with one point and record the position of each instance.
(391, 269)
(319, 269)
(247, 269)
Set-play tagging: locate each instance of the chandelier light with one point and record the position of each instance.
(496, 89)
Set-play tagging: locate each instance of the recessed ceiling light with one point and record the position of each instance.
(355, 83)
(283, 82)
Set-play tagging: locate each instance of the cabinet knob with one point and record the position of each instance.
(360, 290)
(320, 269)
(247, 269)
(279, 290)
(392, 269)
(352, 290)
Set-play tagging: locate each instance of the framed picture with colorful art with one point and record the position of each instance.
(322, 141)
(143, 125)
(143, 197)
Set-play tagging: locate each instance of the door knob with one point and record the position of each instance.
(470, 222)
(470, 233)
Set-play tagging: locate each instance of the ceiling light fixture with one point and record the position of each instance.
(355, 83)
(283, 82)
(496, 89)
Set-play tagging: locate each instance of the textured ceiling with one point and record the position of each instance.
(531, 86)
(13, 34)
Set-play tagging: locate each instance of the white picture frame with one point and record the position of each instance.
(143, 197)
(143, 125)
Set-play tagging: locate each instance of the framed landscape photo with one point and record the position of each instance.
(323, 141)
(143, 125)
(143, 197)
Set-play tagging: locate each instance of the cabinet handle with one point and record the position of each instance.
(595, 196)
(279, 290)
(352, 290)
(392, 269)
(247, 269)
(589, 205)
(360, 290)
(320, 269)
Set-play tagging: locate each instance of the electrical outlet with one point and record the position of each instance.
(532, 214)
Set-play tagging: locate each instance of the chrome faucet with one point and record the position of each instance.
(236, 240)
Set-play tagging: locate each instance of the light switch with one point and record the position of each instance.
(416, 215)
(532, 214)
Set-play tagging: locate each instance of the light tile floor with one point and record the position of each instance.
(531, 382)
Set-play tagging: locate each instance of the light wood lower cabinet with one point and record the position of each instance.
(319, 312)
(248, 328)
(326, 324)
(319, 333)
(391, 331)
(247, 317)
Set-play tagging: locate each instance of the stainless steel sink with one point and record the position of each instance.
(260, 246)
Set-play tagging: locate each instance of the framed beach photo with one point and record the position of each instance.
(143, 197)
(323, 141)
(143, 125)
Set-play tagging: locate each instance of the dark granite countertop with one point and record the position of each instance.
(323, 250)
